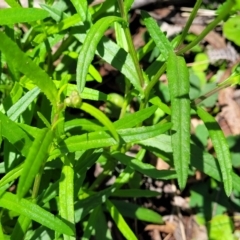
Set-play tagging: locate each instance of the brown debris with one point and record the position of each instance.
(229, 117)
(167, 228)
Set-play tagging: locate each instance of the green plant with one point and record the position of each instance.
(47, 150)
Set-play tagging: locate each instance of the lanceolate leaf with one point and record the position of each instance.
(117, 57)
(21, 227)
(57, 28)
(89, 47)
(83, 125)
(128, 121)
(15, 135)
(104, 139)
(206, 163)
(120, 222)
(157, 35)
(55, 13)
(36, 156)
(11, 175)
(92, 222)
(101, 117)
(25, 65)
(66, 193)
(9, 16)
(144, 168)
(134, 211)
(21, 105)
(200, 159)
(135, 118)
(178, 79)
(221, 147)
(11, 202)
(82, 9)
(128, 5)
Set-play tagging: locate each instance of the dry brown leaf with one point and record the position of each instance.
(162, 165)
(169, 227)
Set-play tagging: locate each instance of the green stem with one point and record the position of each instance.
(154, 81)
(131, 47)
(189, 22)
(209, 94)
(37, 182)
(209, 28)
(122, 10)
(133, 54)
(65, 44)
(125, 105)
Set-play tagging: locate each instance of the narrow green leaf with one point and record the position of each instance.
(1, 232)
(157, 35)
(120, 222)
(221, 147)
(102, 230)
(101, 117)
(144, 168)
(11, 202)
(15, 135)
(21, 227)
(146, 49)
(15, 94)
(13, 3)
(100, 10)
(11, 175)
(135, 193)
(123, 178)
(84, 206)
(81, 8)
(9, 16)
(200, 159)
(49, 193)
(136, 212)
(206, 163)
(128, 121)
(25, 65)
(120, 36)
(21, 105)
(135, 134)
(44, 120)
(66, 193)
(87, 159)
(178, 80)
(117, 57)
(94, 73)
(162, 142)
(92, 221)
(37, 155)
(1, 132)
(135, 118)
(89, 47)
(32, 131)
(83, 125)
(55, 13)
(157, 101)
(103, 139)
(57, 28)
(128, 4)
